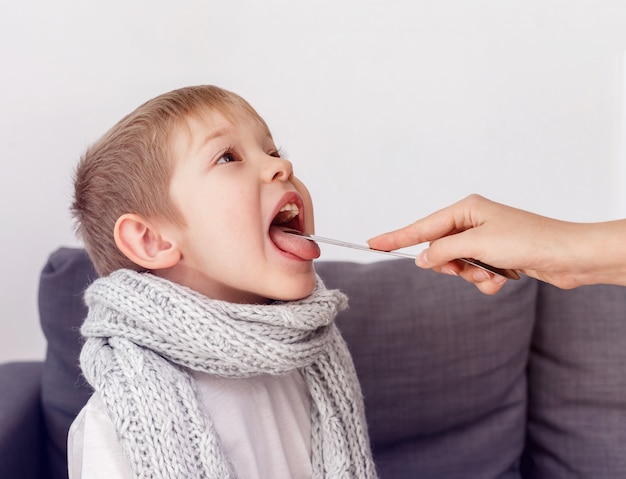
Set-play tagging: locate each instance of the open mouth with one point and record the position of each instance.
(288, 217)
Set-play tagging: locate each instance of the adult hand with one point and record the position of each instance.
(564, 254)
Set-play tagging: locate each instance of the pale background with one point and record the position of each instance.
(389, 110)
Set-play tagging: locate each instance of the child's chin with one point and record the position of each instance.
(295, 292)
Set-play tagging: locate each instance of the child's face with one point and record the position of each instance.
(230, 185)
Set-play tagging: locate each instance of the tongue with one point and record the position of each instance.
(300, 247)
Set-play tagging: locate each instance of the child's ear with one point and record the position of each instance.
(144, 244)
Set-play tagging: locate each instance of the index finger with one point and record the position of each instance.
(437, 225)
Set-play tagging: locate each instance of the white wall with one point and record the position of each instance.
(389, 110)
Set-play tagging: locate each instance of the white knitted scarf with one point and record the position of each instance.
(144, 333)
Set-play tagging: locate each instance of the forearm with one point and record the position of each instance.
(598, 253)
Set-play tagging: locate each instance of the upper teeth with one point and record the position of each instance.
(290, 207)
(287, 213)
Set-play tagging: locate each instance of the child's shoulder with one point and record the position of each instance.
(93, 450)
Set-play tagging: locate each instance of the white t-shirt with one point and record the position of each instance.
(264, 425)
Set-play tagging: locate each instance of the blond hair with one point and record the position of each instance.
(129, 169)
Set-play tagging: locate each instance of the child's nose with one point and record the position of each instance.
(278, 169)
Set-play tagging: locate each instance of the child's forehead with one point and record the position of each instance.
(197, 128)
(215, 117)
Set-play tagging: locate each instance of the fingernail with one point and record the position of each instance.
(422, 260)
(481, 275)
(498, 278)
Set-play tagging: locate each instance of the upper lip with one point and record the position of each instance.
(290, 198)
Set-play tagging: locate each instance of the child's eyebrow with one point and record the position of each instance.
(213, 135)
(201, 143)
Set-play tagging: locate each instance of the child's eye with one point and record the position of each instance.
(227, 157)
(279, 153)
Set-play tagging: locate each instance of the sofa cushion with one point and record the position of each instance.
(577, 376)
(20, 420)
(442, 368)
(61, 310)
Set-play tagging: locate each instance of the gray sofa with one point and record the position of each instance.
(530, 383)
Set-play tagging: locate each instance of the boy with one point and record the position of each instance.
(210, 341)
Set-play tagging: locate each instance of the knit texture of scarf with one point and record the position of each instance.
(143, 333)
